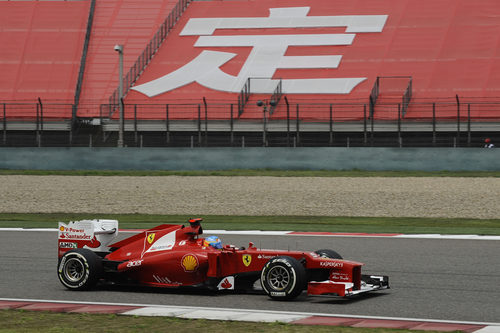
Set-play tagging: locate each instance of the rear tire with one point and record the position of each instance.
(80, 269)
(326, 253)
(283, 278)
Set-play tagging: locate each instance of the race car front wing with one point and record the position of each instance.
(347, 289)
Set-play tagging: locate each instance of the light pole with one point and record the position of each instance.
(119, 49)
(264, 118)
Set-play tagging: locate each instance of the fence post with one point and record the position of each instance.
(468, 126)
(167, 125)
(4, 124)
(399, 123)
(206, 121)
(458, 120)
(231, 124)
(297, 126)
(372, 126)
(365, 134)
(199, 125)
(287, 122)
(434, 124)
(38, 124)
(135, 124)
(331, 125)
(264, 138)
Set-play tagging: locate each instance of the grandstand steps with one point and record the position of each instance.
(131, 23)
(389, 107)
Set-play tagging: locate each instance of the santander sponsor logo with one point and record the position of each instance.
(75, 236)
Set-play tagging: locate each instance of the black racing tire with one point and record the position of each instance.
(80, 269)
(283, 278)
(326, 253)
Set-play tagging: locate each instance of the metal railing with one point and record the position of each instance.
(83, 59)
(243, 97)
(407, 97)
(293, 122)
(148, 53)
(377, 90)
(374, 95)
(276, 97)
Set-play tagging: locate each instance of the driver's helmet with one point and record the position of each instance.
(213, 241)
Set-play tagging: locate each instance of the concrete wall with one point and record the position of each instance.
(425, 159)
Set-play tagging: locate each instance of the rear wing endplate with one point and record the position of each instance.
(90, 234)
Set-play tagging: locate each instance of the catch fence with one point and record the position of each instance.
(289, 121)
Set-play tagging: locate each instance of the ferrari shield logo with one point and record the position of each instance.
(151, 238)
(247, 259)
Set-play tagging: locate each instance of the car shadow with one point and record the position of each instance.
(206, 292)
(345, 300)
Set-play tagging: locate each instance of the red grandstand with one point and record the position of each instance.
(321, 61)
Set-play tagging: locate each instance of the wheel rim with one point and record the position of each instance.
(74, 270)
(279, 278)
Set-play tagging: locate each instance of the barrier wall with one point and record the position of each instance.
(424, 159)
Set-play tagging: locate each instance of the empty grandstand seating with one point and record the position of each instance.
(131, 23)
(450, 48)
(41, 47)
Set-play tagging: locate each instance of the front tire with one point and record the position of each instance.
(79, 269)
(327, 253)
(283, 278)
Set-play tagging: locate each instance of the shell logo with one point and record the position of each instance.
(189, 262)
(61, 228)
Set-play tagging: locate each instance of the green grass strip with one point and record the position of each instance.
(406, 225)
(26, 321)
(255, 173)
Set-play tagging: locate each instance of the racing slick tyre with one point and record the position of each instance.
(326, 253)
(79, 269)
(283, 278)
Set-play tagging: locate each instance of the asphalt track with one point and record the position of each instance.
(438, 279)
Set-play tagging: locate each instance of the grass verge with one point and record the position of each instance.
(289, 223)
(24, 321)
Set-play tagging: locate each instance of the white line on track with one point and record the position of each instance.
(289, 233)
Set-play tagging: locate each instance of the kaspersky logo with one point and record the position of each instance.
(267, 54)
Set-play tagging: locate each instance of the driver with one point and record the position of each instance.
(213, 241)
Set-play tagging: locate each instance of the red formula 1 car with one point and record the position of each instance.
(172, 256)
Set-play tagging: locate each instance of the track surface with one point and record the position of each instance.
(431, 279)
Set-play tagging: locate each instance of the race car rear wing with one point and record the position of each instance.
(90, 234)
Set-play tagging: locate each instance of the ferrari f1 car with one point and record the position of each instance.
(174, 256)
